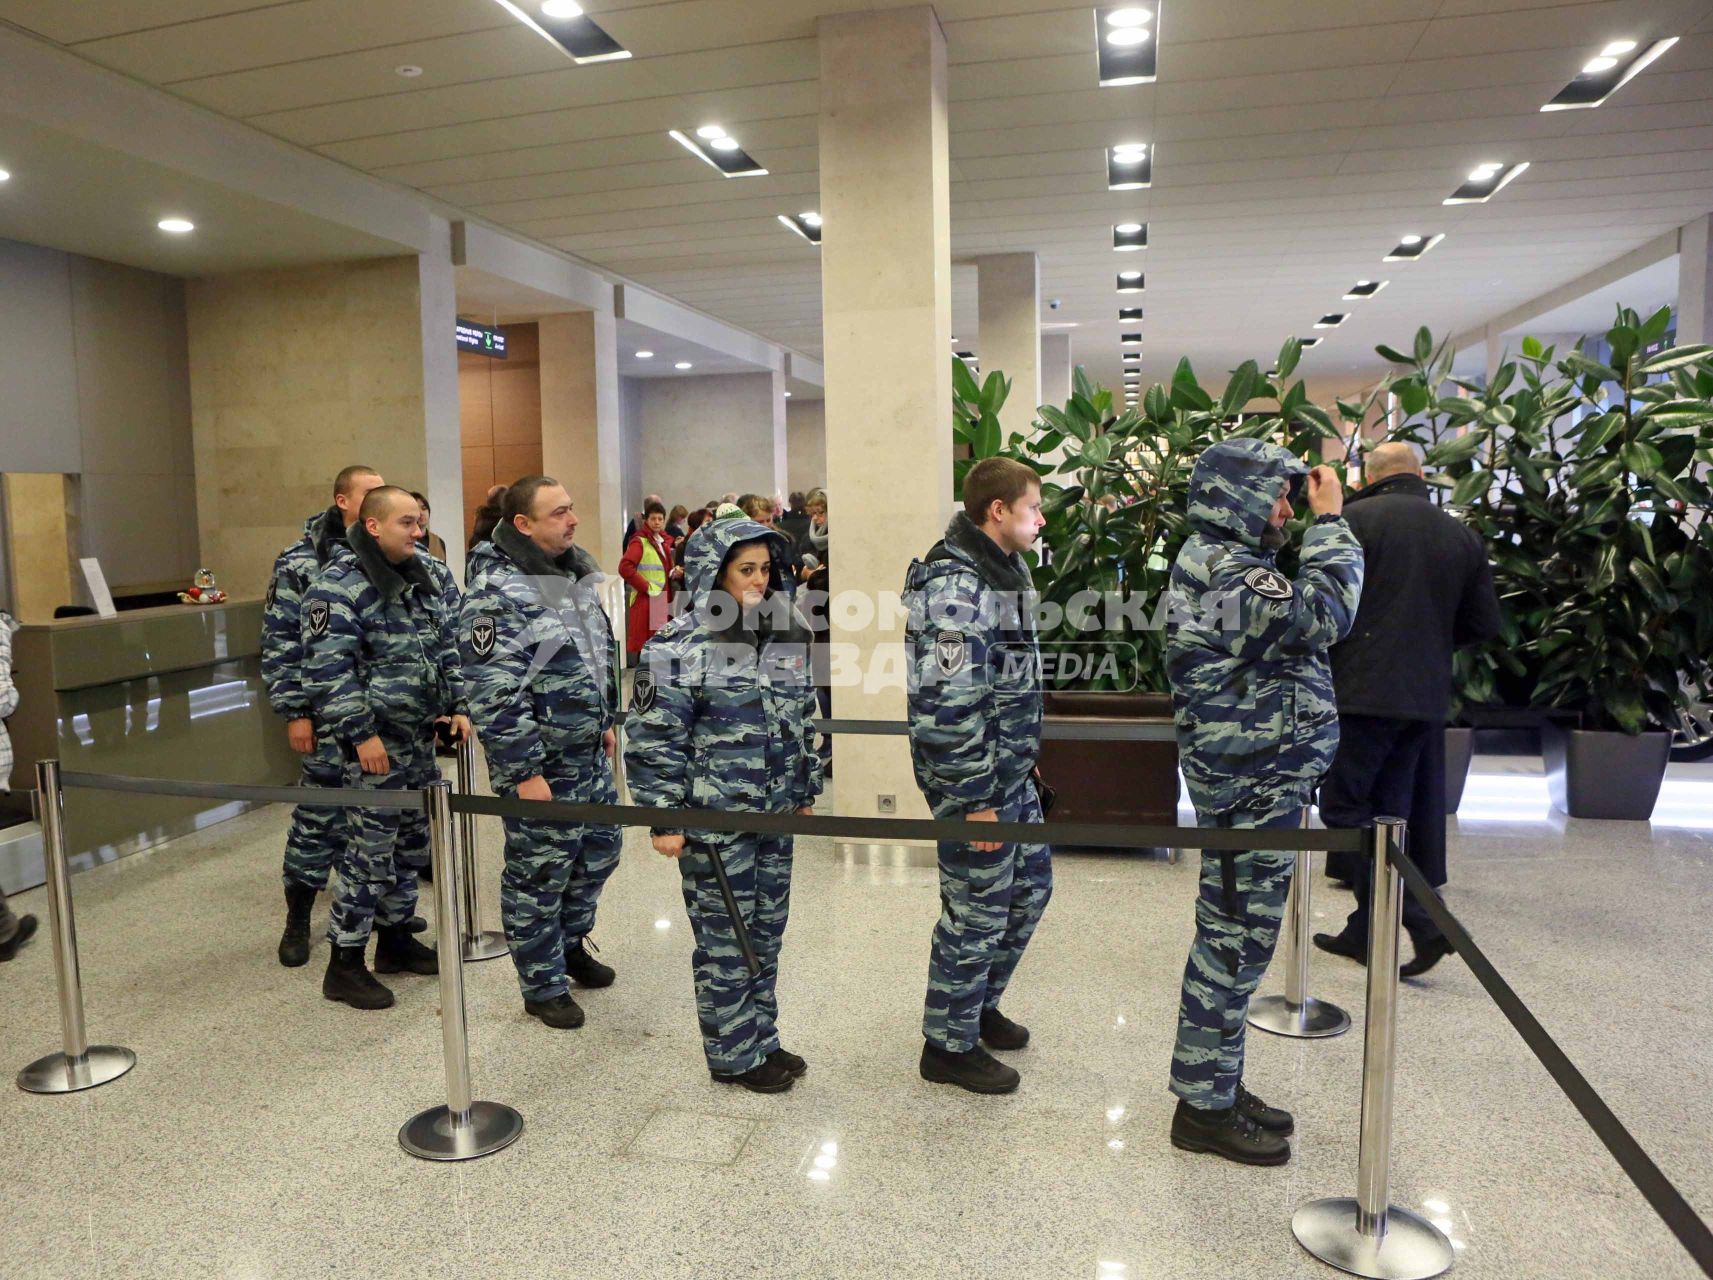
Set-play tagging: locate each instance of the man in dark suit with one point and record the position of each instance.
(1427, 591)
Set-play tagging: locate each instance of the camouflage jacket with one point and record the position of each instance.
(379, 646)
(282, 629)
(720, 716)
(974, 671)
(1246, 652)
(537, 653)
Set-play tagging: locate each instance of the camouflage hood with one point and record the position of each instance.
(1235, 484)
(323, 532)
(712, 545)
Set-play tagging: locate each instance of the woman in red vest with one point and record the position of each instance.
(649, 572)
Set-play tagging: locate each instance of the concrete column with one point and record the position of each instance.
(1695, 283)
(1009, 319)
(887, 321)
(1055, 368)
(442, 429)
(780, 434)
(580, 425)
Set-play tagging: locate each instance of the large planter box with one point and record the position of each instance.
(1105, 781)
(1459, 753)
(1591, 774)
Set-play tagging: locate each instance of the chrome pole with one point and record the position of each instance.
(80, 1065)
(463, 1129)
(1367, 1235)
(1296, 1013)
(477, 944)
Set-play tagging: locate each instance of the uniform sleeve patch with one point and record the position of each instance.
(318, 616)
(482, 635)
(1265, 582)
(642, 696)
(951, 652)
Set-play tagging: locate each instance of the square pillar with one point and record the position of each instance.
(886, 303)
(1009, 319)
(1695, 283)
(1055, 368)
(580, 425)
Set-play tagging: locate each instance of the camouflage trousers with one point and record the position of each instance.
(1238, 914)
(737, 1012)
(990, 904)
(317, 835)
(379, 865)
(554, 874)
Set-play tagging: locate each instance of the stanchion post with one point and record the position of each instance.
(1367, 1235)
(463, 1129)
(1296, 1013)
(477, 943)
(80, 1065)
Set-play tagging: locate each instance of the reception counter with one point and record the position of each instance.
(171, 692)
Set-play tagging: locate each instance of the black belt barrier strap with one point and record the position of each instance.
(314, 797)
(1060, 730)
(1667, 1201)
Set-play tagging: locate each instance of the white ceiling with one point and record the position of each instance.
(1296, 143)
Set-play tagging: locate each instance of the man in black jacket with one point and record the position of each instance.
(1428, 590)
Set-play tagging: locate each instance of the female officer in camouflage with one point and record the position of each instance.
(720, 720)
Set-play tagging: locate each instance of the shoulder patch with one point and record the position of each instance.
(317, 615)
(482, 635)
(642, 694)
(1265, 582)
(951, 652)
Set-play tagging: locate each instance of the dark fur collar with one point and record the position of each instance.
(574, 564)
(390, 579)
(965, 540)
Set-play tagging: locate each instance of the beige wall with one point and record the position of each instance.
(38, 568)
(699, 437)
(580, 424)
(499, 408)
(293, 375)
(805, 445)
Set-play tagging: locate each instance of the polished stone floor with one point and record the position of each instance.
(257, 1136)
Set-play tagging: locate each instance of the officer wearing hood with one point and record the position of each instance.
(538, 662)
(720, 719)
(1257, 728)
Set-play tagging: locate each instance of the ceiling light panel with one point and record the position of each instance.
(1309, 342)
(1129, 313)
(1365, 289)
(1130, 282)
(720, 150)
(807, 225)
(1127, 38)
(564, 23)
(1130, 236)
(1412, 247)
(1331, 321)
(1485, 181)
(1131, 339)
(1129, 166)
(1606, 72)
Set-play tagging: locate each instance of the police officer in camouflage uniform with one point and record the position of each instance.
(720, 719)
(538, 663)
(1257, 728)
(381, 667)
(975, 733)
(317, 834)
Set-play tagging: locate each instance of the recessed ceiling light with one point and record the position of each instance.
(1618, 48)
(1126, 36)
(1331, 321)
(711, 131)
(565, 25)
(722, 153)
(1594, 66)
(1484, 182)
(810, 231)
(1125, 49)
(1128, 17)
(645, 355)
(723, 143)
(1130, 282)
(1365, 289)
(1127, 237)
(5, 175)
(1309, 342)
(409, 71)
(787, 395)
(1129, 313)
(683, 364)
(1131, 339)
(1615, 66)
(1410, 239)
(812, 218)
(1129, 166)
(1129, 275)
(1128, 228)
(561, 9)
(176, 226)
(1412, 247)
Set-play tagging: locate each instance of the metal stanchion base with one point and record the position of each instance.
(487, 945)
(1411, 1249)
(57, 1073)
(1310, 1020)
(433, 1136)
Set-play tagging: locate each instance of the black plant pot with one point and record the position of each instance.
(1459, 751)
(1594, 774)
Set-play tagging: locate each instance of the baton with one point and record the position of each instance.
(738, 926)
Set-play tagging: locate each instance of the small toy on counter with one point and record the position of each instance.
(203, 590)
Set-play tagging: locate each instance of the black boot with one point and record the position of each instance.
(790, 1061)
(560, 1012)
(977, 1070)
(1429, 952)
(1272, 1119)
(767, 1076)
(348, 980)
(294, 942)
(26, 931)
(418, 925)
(583, 968)
(1227, 1133)
(1342, 944)
(398, 951)
(1000, 1032)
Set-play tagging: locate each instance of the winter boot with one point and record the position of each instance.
(348, 980)
(976, 1070)
(398, 951)
(1227, 1133)
(294, 942)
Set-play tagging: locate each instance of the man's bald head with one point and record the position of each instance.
(378, 503)
(1394, 458)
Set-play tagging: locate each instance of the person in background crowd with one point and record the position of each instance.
(719, 719)
(975, 733)
(764, 512)
(1427, 589)
(675, 522)
(1257, 729)
(631, 525)
(487, 516)
(817, 589)
(381, 669)
(432, 543)
(696, 519)
(725, 498)
(649, 571)
(812, 544)
(794, 519)
(537, 659)
(15, 930)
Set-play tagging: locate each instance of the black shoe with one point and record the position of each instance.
(584, 969)
(1272, 1119)
(26, 931)
(1000, 1032)
(1342, 944)
(398, 951)
(294, 942)
(349, 981)
(977, 1070)
(767, 1076)
(561, 1011)
(1428, 954)
(790, 1061)
(1227, 1133)
(416, 924)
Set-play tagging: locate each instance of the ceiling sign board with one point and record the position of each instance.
(481, 339)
